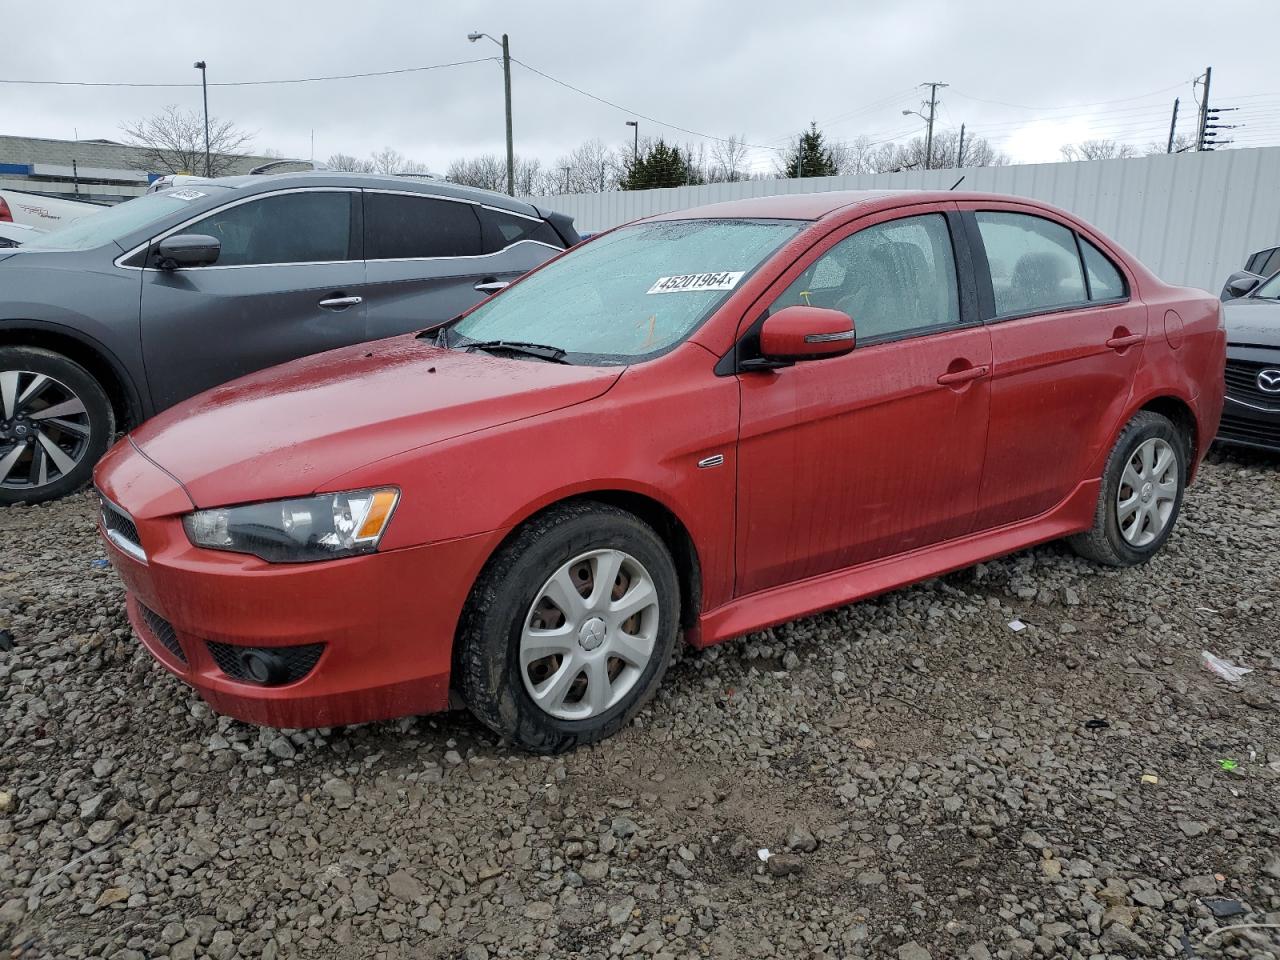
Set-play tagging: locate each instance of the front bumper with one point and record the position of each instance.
(384, 622)
(1251, 415)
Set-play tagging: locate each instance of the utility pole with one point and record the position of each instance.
(1173, 126)
(635, 149)
(566, 179)
(506, 86)
(960, 149)
(932, 104)
(1204, 109)
(204, 88)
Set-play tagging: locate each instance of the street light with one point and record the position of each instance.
(506, 77)
(635, 152)
(204, 88)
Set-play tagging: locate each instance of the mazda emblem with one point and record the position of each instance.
(1269, 381)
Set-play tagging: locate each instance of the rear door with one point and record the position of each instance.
(286, 284)
(431, 258)
(1066, 340)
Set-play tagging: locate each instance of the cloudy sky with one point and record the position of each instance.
(1029, 76)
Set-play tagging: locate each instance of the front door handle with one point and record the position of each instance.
(1120, 343)
(492, 286)
(340, 303)
(963, 376)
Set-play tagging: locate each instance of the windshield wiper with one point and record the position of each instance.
(539, 350)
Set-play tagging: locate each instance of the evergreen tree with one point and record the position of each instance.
(660, 165)
(809, 156)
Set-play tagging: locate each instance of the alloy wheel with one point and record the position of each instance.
(1148, 492)
(44, 429)
(589, 635)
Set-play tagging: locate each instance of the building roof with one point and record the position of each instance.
(815, 206)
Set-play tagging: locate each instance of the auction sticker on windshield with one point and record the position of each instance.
(185, 194)
(691, 282)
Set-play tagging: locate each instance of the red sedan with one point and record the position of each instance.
(710, 422)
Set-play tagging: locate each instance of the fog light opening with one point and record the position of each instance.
(264, 667)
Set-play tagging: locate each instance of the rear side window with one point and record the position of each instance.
(399, 227)
(306, 227)
(1271, 264)
(1105, 281)
(1034, 263)
(891, 277)
(502, 229)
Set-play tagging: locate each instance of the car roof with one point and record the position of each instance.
(259, 183)
(816, 206)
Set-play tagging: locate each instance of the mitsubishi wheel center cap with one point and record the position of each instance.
(1147, 489)
(592, 634)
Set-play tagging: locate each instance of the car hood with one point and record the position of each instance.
(1252, 322)
(285, 431)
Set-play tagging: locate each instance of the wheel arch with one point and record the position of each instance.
(105, 367)
(673, 532)
(1181, 414)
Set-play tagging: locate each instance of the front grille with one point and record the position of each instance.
(1242, 383)
(121, 529)
(1248, 430)
(162, 630)
(297, 661)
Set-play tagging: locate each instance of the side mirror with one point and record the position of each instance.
(1239, 284)
(806, 333)
(188, 250)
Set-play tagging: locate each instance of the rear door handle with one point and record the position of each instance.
(492, 286)
(963, 376)
(340, 303)
(1119, 343)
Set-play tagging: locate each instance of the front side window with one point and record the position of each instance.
(631, 293)
(891, 278)
(305, 227)
(1034, 263)
(111, 224)
(399, 227)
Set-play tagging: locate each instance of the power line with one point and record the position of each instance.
(250, 83)
(1099, 103)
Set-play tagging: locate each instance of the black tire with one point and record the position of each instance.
(1104, 542)
(488, 664)
(19, 485)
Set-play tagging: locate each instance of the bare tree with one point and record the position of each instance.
(728, 160)
(1181, 144)
(591, 166)
(1098, 150)
(487, 172)
(173, 141)
(389, 160)
(346, 163)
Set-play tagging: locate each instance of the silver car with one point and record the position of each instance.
(110, 319)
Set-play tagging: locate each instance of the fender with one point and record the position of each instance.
(29, 333)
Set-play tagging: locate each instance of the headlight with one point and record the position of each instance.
(323, 527)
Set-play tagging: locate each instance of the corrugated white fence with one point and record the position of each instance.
(1193, 218)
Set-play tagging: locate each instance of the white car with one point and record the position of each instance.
(44, 213)
(16, 234)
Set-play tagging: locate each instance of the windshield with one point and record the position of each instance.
(1270, 289)
(112, 223)
(630, 294)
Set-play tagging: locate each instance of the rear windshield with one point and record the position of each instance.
(98, 229)
(630, 294)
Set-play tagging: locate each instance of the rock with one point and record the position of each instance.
(784, 864)
(404, 886)
(222, 946)
(1272, 868)
(113, 895)
(102, 831)
(594, 870)
(173, 932)
(282, 749)
(540, 910)
(1193, 828)
(475, 952)
(1200, 886)
(363, 897)
(913, 951)
(340, 792)
(12, 911)
(800, 839)
(790, 660)
(1149, 898)
(1118, 938)
(870, 878)
(623, 827)
(620, 912)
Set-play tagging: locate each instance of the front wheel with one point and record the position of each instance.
(55, 422)
(1141, 494)
(570, 628)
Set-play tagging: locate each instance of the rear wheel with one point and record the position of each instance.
(570, 628)
(55, 422)
(1141, 493)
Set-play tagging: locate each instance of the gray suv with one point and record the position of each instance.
(108, 320)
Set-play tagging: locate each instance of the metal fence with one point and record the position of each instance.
(1193, 218)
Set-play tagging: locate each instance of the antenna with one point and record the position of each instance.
(957, 183)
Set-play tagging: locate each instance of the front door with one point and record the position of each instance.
(1066, 340)
(878, 452)
(288, 282)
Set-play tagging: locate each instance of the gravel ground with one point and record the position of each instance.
(932, 783)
